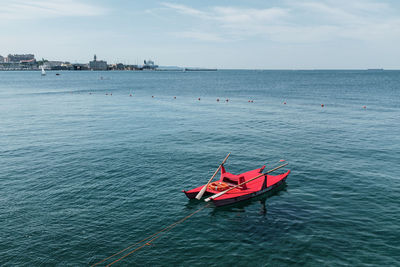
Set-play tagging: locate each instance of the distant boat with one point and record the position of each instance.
(43, 72)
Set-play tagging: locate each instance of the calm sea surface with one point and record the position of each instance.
(84, 175)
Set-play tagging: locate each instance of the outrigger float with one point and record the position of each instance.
(231, 188)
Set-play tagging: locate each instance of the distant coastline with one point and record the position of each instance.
(28, 62)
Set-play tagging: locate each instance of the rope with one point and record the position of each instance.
(153, 236)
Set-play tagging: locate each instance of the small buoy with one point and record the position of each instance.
(130, 94)
(110, 93)
(364, 106)
(227, 100)
(90, 93)
(174, 97)
(199, 98)
(322, 105)
(284, 103)
(152, 96)
(217, 99)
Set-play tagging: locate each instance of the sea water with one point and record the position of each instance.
(87, 170)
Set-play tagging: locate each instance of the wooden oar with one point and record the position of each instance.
(201, 193)
(258, 176)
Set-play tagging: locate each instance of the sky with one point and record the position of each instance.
(251, 34)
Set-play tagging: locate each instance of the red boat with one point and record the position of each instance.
(229, 182)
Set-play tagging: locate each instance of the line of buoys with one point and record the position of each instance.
(218, 100)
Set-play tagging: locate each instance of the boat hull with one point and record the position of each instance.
(255, 188)
(190, 195)
(230, 201)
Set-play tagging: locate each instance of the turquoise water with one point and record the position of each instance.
(85, 174)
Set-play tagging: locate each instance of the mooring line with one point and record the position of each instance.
(166, 229)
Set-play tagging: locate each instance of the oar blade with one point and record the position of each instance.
(201, 193)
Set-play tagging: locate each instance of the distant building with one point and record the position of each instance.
(78, 66)
(149, 65)
(1, 59)
(98, 64)
(52, 65)
(67, 66)
(18, 58)
(133, 67)
(118, 66)
(29, 62)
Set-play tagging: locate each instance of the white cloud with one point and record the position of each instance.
(234, 21)
(22, 9)
(248, 15)
(341, 12)
(324, 11)
(295, 22)
(230, 14)
(357, 20)
(201, 36)
(186, 10)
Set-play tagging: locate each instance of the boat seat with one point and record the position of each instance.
(233, 179)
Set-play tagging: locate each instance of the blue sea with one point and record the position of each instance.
(86, 170)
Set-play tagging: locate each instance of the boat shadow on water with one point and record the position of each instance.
(262, 199)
